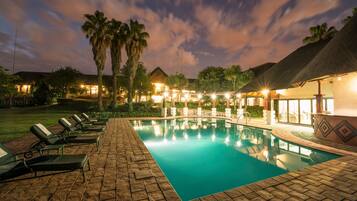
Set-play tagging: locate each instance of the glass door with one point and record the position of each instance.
(283, 111)
(305, 111)
(293, 111)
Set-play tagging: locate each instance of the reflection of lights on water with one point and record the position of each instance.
(177, 127)
(227, 125)
(153, 122)
(238, 143)
(226, 140)
(173, 138)
(165, 140)
(157, 130)
(185, 136)
(199, 136)
(266, 154)
(194, 127)
(204, 126)
(213, 137)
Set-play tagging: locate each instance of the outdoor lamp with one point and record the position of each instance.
(199, 96)
(227, 95)
(213, 96)
(265, 92)
(239, 95)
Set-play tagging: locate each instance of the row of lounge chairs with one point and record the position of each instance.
(83, 131)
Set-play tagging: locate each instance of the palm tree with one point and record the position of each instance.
(348, 18)
(96, 29)
(232, 74)
(136, 41)
(320, 32)
(117, 30)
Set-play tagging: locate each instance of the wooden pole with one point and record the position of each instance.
(319, 98)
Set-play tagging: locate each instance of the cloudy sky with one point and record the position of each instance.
(185, 36)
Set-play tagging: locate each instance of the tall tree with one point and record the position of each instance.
(177, 81)
(7, 84)
(118, 31)
(232, 74)
(348, 18)
(212, 79)
(136, 41)
(320, 32)
(96, 28)
(141, 83)
(64, 80)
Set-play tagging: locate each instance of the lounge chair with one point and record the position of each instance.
(70, 128)
(80, 125)
(11, 166)
(49, 138)
(93, 121)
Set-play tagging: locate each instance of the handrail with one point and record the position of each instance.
(246, 115)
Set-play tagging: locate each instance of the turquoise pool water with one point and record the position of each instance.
(205, 156)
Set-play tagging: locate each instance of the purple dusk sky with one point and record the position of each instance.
(186, 36)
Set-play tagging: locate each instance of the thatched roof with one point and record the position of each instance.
(260, 69)
(339, 56)
(280, 75)
(158, 75)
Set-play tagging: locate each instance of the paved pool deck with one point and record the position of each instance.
(123, 169)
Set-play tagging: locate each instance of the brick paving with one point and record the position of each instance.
(122, 169)
(329, 181)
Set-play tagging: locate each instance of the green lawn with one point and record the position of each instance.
(16, 122)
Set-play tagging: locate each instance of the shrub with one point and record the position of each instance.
(255, 111)
(42, 94)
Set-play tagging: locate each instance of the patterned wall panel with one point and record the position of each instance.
(340, 129)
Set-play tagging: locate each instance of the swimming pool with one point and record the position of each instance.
(206, 156)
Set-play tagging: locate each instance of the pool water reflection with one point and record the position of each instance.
(205, 156)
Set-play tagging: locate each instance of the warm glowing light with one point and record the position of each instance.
(186, 96)
(166, 94)
(265, 92)
(239, 95)
(227, 95)
(213, 96)
(199, 96)
(174, 95)
(339, 78)
(157, 98)
(82, 86)
(158, 86)
(173, 138)
(226, 140)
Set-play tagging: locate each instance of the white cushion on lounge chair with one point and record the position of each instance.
(43, 129)
(64, 120)
(85, 115)
(76, 117)
(2, 152)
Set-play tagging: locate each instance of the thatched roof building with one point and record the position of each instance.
(339, 56)
(280, 75)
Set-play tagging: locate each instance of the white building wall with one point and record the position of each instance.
(345, 95)
(308, 90)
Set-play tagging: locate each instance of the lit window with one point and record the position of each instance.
(283, 145)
